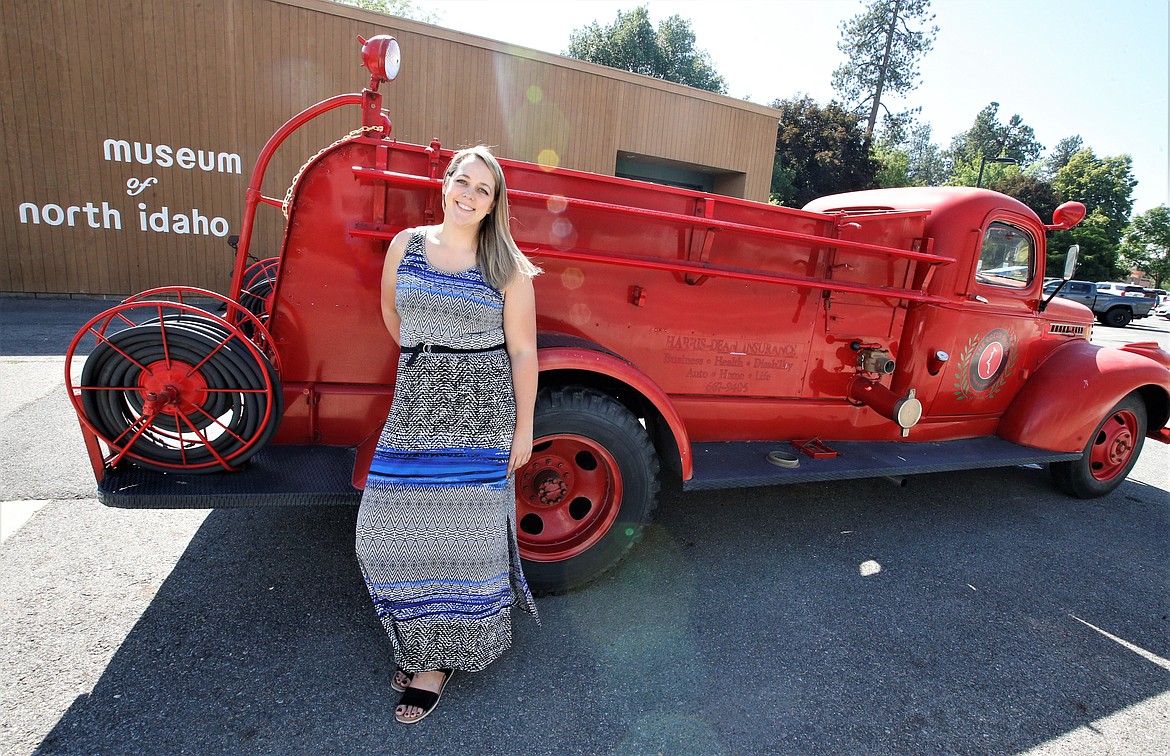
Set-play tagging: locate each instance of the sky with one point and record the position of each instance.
(1066, 67)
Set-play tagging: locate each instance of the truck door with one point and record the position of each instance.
(1078, 291)
(986, 333)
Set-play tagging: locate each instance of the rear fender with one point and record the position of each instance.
(1069, 393)
(581, 358)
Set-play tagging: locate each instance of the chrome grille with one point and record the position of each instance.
(1068, 329)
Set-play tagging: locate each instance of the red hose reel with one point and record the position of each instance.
(172, 386)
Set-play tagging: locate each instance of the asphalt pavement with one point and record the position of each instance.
(974, 612)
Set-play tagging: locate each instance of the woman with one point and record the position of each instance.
(436, 531)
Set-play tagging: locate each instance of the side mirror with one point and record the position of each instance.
(1070, 266)
(1066, 216)
(1070, 261)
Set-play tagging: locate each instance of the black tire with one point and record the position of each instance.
(1118, 317)
(1109, 454)
(587, 447)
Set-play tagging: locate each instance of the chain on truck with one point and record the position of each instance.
(727, 342)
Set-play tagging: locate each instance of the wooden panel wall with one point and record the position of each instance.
(219, 76)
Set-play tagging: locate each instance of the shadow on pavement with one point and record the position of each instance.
(1152, 324)
(842, 617)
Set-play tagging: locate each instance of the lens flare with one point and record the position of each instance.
(580, 314)
(562, 234)
(642, 620)
(548, 158)
(562, 228)
(572, 278)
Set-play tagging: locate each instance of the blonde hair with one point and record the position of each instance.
(496, 254)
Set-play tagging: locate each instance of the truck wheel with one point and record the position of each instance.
(1118, 317)
(1109, 454)
(584, 497)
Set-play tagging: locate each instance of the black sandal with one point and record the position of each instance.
(394, 680)
(424, 699)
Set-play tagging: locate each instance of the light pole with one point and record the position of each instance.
(984, 161)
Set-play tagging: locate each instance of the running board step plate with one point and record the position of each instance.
(275, 476)
(745, 464)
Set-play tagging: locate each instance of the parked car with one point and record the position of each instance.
(1112, 307)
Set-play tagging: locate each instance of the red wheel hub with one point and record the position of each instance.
(550, 487)
(171, 388)
(567, 497)
(1113, 447)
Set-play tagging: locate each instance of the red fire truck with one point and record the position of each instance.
(734, 343)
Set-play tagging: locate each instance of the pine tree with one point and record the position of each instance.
(882, 51)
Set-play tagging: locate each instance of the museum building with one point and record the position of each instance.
(133, 126)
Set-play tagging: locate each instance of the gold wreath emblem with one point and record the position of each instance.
(963, 388)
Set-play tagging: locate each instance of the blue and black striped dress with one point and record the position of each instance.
(436, 531)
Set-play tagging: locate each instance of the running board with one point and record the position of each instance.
(275, 476)
(321, 475)
(740, 464)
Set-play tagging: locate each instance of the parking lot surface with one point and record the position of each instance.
(975, 612)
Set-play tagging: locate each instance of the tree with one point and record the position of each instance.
(631, 44)
(1062, 153)
(893, 166)
(928, 166)
(882, 50)
(1098, 257)
(1146, 244)
(904, 148)
(907, 155)
(400, 8)
(1105, 185)
(681, 62)
(989, 138)
(888, 149)
(819, 151)
(1030, 189)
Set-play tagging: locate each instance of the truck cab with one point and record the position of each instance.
(969, 353)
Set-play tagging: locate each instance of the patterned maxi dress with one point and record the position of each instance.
(436, 531)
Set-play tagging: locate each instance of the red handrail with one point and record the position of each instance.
(698, 269)
(810, 240)
(368, 99)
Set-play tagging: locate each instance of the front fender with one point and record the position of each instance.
(1069, 393)
(606, 363)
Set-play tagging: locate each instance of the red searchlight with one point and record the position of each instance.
(382, 57)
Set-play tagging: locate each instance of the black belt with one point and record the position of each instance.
(417, 349)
